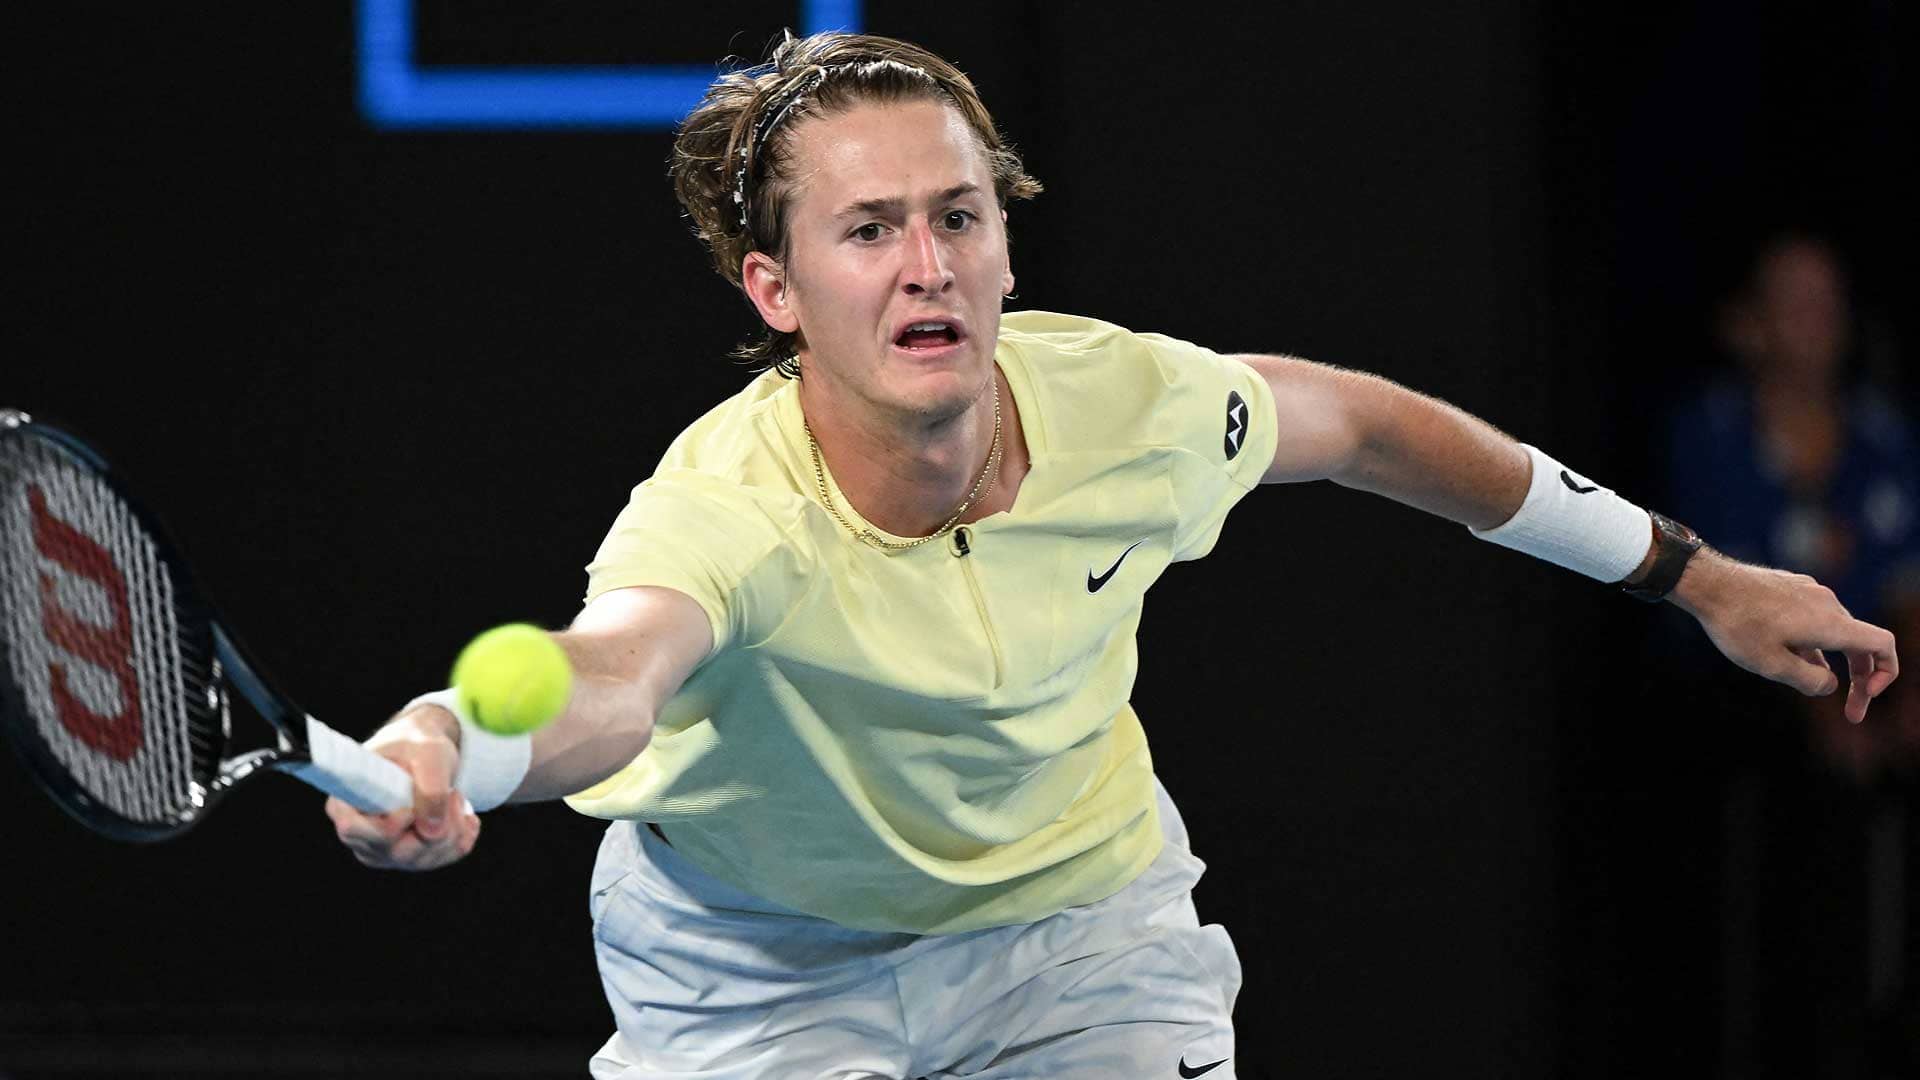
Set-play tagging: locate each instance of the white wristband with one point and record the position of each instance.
(491, 766)
(1570, 521)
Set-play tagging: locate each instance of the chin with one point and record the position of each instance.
(943, 392)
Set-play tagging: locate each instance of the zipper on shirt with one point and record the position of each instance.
(960, 543)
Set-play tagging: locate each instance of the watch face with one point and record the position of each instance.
(1675, 529)
(1674, 548)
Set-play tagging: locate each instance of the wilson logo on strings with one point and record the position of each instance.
(109, 648)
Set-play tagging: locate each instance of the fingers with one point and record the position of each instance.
(413, 851)
(436, 829)
(462, 835)
(396, 841)
(1860, 673)
(457, 837)
(431, 791)
(439, 828)
(1811, 676)
(1872, 664)
(370, 837)
(1869, 673)
(1868, 640)
(1869, 677)
(430, 759)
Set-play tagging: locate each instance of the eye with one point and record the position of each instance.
(957, 220)
(867, 233)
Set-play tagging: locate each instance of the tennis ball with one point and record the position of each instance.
(513, 679)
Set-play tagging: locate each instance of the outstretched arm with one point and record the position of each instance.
(1366, 432)
(631, 650)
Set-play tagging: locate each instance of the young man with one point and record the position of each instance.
(854, 665)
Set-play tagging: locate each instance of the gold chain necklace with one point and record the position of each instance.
(980, 487)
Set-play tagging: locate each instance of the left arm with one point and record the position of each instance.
(1366, 432)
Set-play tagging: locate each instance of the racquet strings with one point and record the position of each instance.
(112, 668)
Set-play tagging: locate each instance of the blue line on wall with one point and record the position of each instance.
(395, 94)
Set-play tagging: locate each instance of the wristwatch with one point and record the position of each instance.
(1673, 545)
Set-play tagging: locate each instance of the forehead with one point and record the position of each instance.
(1798, 266)
(898, 150)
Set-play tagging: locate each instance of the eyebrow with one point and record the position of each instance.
(895, 205)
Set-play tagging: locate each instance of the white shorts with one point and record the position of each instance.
(709, 982)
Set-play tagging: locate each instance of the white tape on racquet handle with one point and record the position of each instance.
(349, 771)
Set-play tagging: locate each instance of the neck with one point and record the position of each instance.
(905, 474)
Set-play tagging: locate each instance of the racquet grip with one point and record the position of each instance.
(352, 773)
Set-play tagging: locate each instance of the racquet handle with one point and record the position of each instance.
(352, 773)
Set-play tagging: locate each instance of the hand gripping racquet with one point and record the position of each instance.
(115, 675)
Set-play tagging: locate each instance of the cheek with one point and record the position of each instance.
(847, 281)
(846, 309)
(831, 298)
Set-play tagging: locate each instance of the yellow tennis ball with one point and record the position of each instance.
(513, 679)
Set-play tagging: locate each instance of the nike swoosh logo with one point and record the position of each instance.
(1094, 583)
(1189, 1071)
(1567, 479)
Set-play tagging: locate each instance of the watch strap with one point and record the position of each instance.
(1674, 544)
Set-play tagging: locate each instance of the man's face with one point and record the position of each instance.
(1803, 309)
(892, 222)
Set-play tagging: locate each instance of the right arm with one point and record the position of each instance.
(631, 650)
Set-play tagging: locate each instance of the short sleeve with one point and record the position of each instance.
(737, 552)
(1219, 413)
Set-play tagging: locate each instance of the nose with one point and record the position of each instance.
(926, 269)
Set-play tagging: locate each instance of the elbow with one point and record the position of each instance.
(1360, 462)
(578, 758)
(1363, 436)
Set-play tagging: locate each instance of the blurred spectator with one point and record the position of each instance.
(1785, 457)
(1786, 461)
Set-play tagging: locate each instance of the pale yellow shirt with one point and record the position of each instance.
(921, 740)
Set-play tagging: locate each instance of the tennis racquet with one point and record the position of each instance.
(116, 677)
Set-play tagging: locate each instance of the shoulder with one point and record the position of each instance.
(736, 437)
(1104, 384)
(1071, 344)
(743, 452)
(733, 471)
(1052, 331)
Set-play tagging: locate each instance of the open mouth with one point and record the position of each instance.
(927, 335)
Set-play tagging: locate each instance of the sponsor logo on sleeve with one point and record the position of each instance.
(1236, 423)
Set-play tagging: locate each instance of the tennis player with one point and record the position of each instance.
(854, 663)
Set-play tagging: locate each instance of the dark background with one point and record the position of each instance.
(389, 388)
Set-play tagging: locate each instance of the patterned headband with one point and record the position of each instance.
(771, 117)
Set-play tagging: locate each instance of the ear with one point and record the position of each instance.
(766, 286)
(1006, 270)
